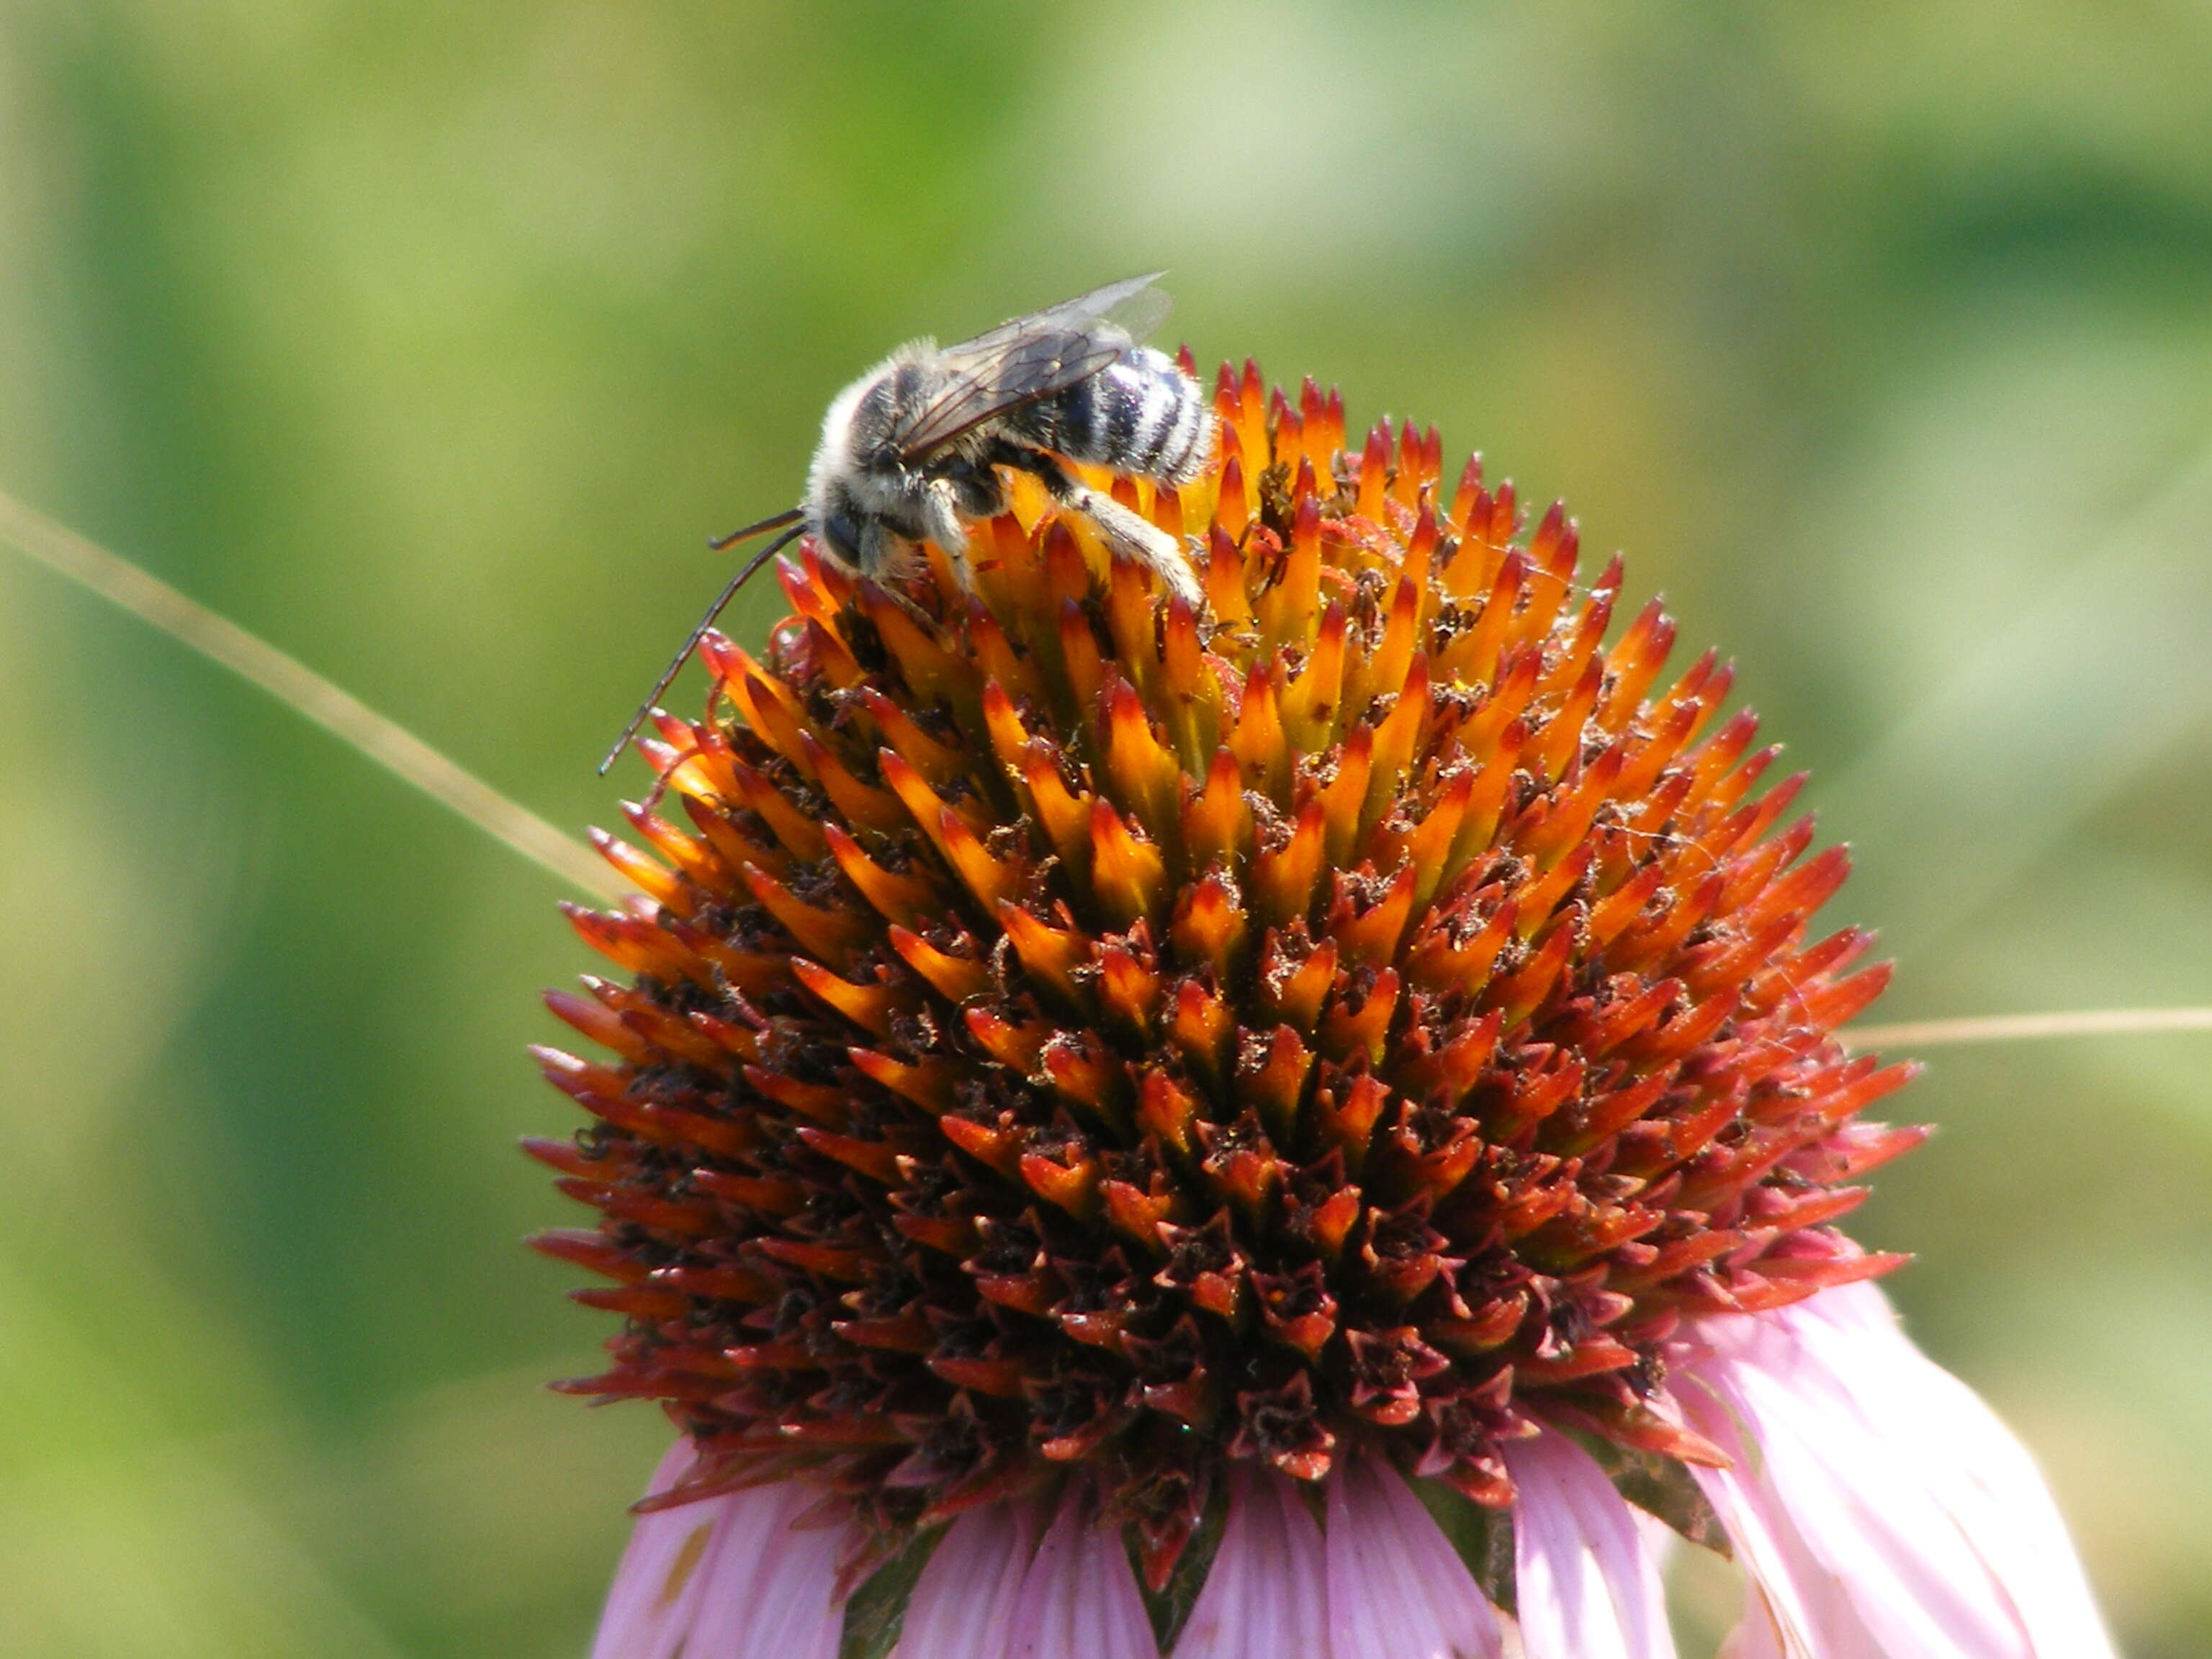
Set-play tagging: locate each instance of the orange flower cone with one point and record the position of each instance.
(1075, 1056)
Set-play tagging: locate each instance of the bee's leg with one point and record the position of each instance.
(963, 573)
(943, 516)
(880, 558)
(1122, 530)
(1139, 539)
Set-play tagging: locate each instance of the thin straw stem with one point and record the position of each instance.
(2022, 1028)
(292, 682)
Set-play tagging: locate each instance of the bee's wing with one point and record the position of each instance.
(1030, 358)
(1135, 306)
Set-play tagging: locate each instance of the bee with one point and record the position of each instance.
(918, 448)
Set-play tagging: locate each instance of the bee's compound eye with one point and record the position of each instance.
(843, 535)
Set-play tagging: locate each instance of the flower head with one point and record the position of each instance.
(1331, 1094)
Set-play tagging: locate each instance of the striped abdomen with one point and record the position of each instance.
(1143, 416)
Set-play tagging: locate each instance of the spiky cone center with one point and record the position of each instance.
(1077, 1038)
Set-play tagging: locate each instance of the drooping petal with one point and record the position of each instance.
(1977, 1467)
(1883, 1511)
(727, 1575)
(1588, 1587)
(771, 1586)
(1806, 1607)
(1079, 1598)
(1395, 1588)
(656, 1589)
(1757, 1637)
(1264, 1594)
(1853, 1558)
(963, 1603)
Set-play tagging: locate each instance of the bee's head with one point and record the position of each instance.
(861, 484)
(839, 526)
(851, 431)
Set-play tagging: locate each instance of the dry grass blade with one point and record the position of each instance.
(291, 682)
(2023, 1027)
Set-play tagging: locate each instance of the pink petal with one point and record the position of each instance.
(1882, 1508)
(772, 1586)
(1981, 1472)
(1264, 1592)
(1396, 1589)
(657, 1587)
(729, 1576)
(965, 1600)
(1757, 1637)
(1874, 1541)
(1804, 1609)
(1079, 1598)
(1588, 1587)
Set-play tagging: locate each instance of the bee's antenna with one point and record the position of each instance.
(723, 543)
(707, 622)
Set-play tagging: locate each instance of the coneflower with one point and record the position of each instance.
(1314, 1128)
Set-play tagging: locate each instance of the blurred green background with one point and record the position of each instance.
(430, 341)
